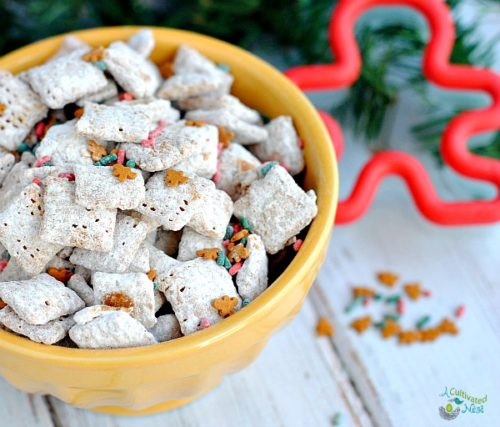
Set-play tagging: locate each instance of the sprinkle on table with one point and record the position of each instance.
(387, 278)
(123, 172)
(324, 327)
(174, 177)
(390, 328)
(362, 324)
(356, 302)
(208, 253)
(447, 326)
(409, 337)
(413, 290)
(225, 305)
(460, 311)
(363, 292)
(423, 321)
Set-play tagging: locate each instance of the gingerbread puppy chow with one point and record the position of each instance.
(40, 300)
(139, 201)
(110, 329)
(108, 187)
(20, 227)
(128, 237)
(129, 290)
(276, 208)
(191, 288)
(69, 224)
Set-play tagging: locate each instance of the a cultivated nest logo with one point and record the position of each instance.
(460, 402)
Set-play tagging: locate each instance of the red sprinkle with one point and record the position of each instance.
(150, 142)
(120, 156)
(236, 228)
(68, 176)
(220, 148)
(41, 161)
(40, 130)
(426, 293)
(226, 243)
(36, 181)
(300, 143)
(366, 301)
(125, 96)
(3, 264)
(400, 307)
(217, 176)
(235, 268)
(204, 323)
(297, 245)
(284, 166)
(460, 311)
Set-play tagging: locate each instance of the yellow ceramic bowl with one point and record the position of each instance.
(149, 379)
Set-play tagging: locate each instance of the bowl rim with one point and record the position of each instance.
(314, 242)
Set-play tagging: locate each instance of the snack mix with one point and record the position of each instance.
(139, 203)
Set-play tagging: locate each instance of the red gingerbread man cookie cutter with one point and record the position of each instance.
(436, 68)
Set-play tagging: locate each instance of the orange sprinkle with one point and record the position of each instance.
(225, 305)
(123, 172)
(237, 253)
(195, 123)
(61, 274)
(3, 107)
(94, 55)
(173, 178)
(78, 112)
(2, 304)
(409, 337)
(208, 253)
(387, 278)
(324, 327)
(447, 326)
(225, 136)
(151, 274)
(239, 235)
(363, 292)
(97, 151)
(413, 290)
(429, 334)
(390, 328)
(118, 299)
(361, 324)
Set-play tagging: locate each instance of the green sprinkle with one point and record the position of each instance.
(155, 286)
(377, 297)
(229, 232)
(264, 118)
(243, 241)
(101, 65)
(245, 302)
(337, 419)
(227, 263)
(245, 223)
(393, 299)
(224, 67)
(423, 321)
(393, 317)
(23, 147)
(267, 167)
(106, 160)
(48, 164)
(221, 258)
(357, 301)
(130, 163)
(379, 324)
